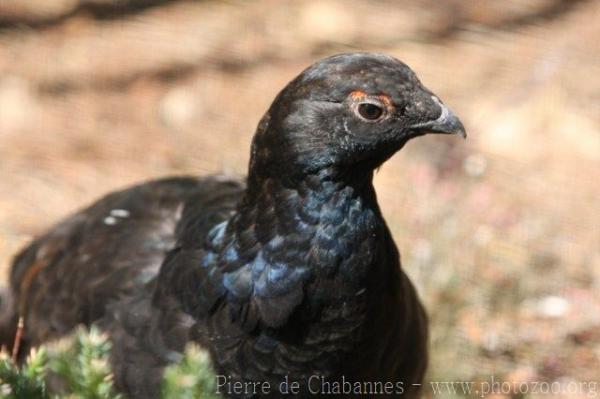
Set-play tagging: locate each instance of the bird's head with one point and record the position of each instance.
(346, 112)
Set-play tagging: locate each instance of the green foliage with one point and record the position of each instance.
(192, 378)
(80, 366)
(84, 367)
(26, 381)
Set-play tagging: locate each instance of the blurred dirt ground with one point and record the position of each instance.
(501, 233)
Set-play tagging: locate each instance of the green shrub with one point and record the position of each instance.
(81, 365)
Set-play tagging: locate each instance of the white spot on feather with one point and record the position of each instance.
(110, 220)
(114, 216)
(120, 213)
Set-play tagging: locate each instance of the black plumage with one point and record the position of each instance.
(291, 274)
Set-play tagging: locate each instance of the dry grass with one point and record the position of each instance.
(501, 233)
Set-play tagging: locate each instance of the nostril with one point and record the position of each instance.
(402, 109)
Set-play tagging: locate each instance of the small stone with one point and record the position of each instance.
(553, 306)
(18, 106)
(178, 108)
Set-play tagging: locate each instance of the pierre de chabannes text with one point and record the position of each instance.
(316, 384)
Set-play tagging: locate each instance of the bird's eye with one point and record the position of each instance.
(370, 111)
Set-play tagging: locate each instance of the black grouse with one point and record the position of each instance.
(291, 276)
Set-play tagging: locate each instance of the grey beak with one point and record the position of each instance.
(447, 123)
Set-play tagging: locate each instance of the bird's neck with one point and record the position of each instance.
(327, 224)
